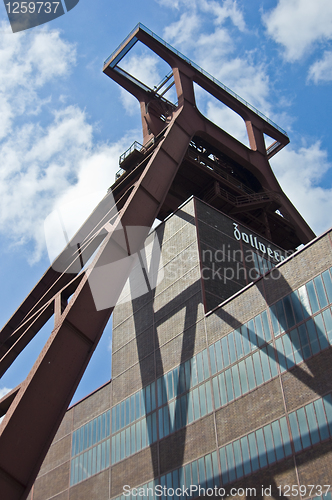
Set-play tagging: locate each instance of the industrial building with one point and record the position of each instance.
(221, 368)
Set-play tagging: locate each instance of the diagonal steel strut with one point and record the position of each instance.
(43, 398)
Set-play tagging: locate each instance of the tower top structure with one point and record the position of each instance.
(215, 167)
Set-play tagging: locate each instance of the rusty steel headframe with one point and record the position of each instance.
(34, 410)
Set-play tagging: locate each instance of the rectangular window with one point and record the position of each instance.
(224, 466)
(224, 350)
(245, 455)
(257, 368)
(302, 291)
(194, 380)
(312, 297)
(138, 436)
(117, 447)
(219, 358)
(231, 462)
(245, 339)
(297, 308)
(222, 388)
(236, 381)
(190, 416)
(160, 421)
(188, 376)
(137, 405)
(206, 364)
(296, 346)
(279, 450)
(288, 351)
(196, 404)
(304, 340)
(319, 323)
(208, 397)
(285, 436)
(259, 330)
(216, 394)
(315, 348)
(274, 320)
(328, 285)
(289, 312)
(321, 419)
(231, 345)
(243, 377)
(261, 448)
(182, 380)
(215, 468)
(312, 423)
(132, 408)
(176, 380)
(295, 431)
(238, 342)
(281, 315)
(252, 335)
(122, 418)
(113, 449)
(201, 472)
(194, 470)
(127, 411)
(238, 459)
(128, 442)
(122, 445)
(253, 451)
(320, 292)
(154, 426)
(328, 410)
(265, 364)
(229, 385)
(272, 360)
(166, 421)
(183, 410)
(209, 473)
(328, 324)
(147, 398)
(213, 360)
(250, 372)
(303, 426)
(270, 447)
(132, 439)
(267, 332)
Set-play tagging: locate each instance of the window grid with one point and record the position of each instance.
(134, 438)
(90, 462)
(309, 425)
(307, 339)
(91, 433)
(259, 449)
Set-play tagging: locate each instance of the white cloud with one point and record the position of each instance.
(223, 11)
(301, 174)
(183, 31)
(321, 71)
(144, 67)
(229, 121)
(43, 164)
(29, 61)
(298, 24)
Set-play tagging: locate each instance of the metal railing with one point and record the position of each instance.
(135, 146)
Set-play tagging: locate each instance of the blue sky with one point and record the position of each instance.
(64, 124)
